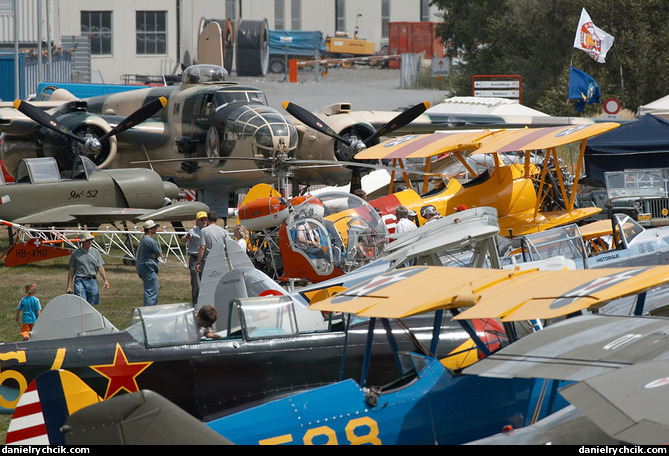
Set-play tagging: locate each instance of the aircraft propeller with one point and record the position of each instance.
(90, 143)
(317, 124)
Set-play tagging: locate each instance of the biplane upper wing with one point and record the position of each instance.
(619, 362)
(540, 138)
(579, 348)
(628, 404)
(482, 141)
(492, 293)
(423, 145)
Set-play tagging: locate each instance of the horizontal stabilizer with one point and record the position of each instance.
(141, 418)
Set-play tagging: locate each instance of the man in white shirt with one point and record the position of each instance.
(404, 225)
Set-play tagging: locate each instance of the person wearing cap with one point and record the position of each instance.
(31, 309)
(404, 225)
(148, 261)
(429, 213)
(192, 238)
(85, 264)
(211, 234)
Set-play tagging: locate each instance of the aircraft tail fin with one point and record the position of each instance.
(69, 316)
(44, 407)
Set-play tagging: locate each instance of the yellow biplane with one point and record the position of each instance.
(509, 295)
(529, 197)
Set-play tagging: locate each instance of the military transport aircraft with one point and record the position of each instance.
(429, 404)
(87, 195)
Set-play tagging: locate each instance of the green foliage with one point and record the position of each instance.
(534, 39)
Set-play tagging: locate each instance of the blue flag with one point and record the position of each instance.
(583, 88)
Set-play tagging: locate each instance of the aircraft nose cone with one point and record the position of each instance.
(171, 190)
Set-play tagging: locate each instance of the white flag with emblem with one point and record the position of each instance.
(591, 39)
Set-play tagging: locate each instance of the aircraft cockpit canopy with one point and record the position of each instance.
(83, 168)
(269, 130)
(37, 170)
(350, 231)
(164, 325)
(200, 74)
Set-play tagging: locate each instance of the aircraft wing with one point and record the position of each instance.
(13, 122)
(482, 141)
(628, 404)
(579, 348)
(620, 363)
(541, 138)
(86, 213)
(423, 146)
(492, 293)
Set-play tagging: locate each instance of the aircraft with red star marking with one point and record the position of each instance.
(267, 337)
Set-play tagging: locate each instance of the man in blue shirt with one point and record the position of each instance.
(148, 261)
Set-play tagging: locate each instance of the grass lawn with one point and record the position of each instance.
(116, 303)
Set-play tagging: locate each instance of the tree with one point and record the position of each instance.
(534, 39)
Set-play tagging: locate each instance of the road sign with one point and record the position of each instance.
(612, 106)
(440, 67)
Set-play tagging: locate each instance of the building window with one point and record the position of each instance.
(231, 10)
(296, 15)
(425, 10)
(385, 18)
(97, 26)
(151, 27)
(340, 16)
(279, 14)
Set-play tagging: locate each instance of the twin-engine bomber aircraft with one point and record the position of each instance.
(189, 139)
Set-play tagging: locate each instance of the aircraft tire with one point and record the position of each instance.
(252, 48)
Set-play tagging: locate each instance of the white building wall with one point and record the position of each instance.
(316, 15)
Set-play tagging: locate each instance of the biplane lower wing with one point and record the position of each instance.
(619, 363)
(492, 293)
(526, 223)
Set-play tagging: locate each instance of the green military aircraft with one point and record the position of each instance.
(87, 195)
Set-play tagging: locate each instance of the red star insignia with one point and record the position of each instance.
(121, 373)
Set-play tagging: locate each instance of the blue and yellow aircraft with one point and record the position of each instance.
(427, 404)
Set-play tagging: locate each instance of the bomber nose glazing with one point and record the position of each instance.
(269, 130)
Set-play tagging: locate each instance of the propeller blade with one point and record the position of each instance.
(399, 121)
(45, 120)
(312, 121)
(137, 117)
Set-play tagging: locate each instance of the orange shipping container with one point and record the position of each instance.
(414, 37)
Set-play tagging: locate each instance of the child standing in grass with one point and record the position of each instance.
(31, 309)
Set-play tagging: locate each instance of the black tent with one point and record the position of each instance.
(635, 145)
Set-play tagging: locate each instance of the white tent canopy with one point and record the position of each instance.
(658, 108)
(483, 105)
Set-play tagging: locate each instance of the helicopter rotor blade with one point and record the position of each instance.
(137, 117)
